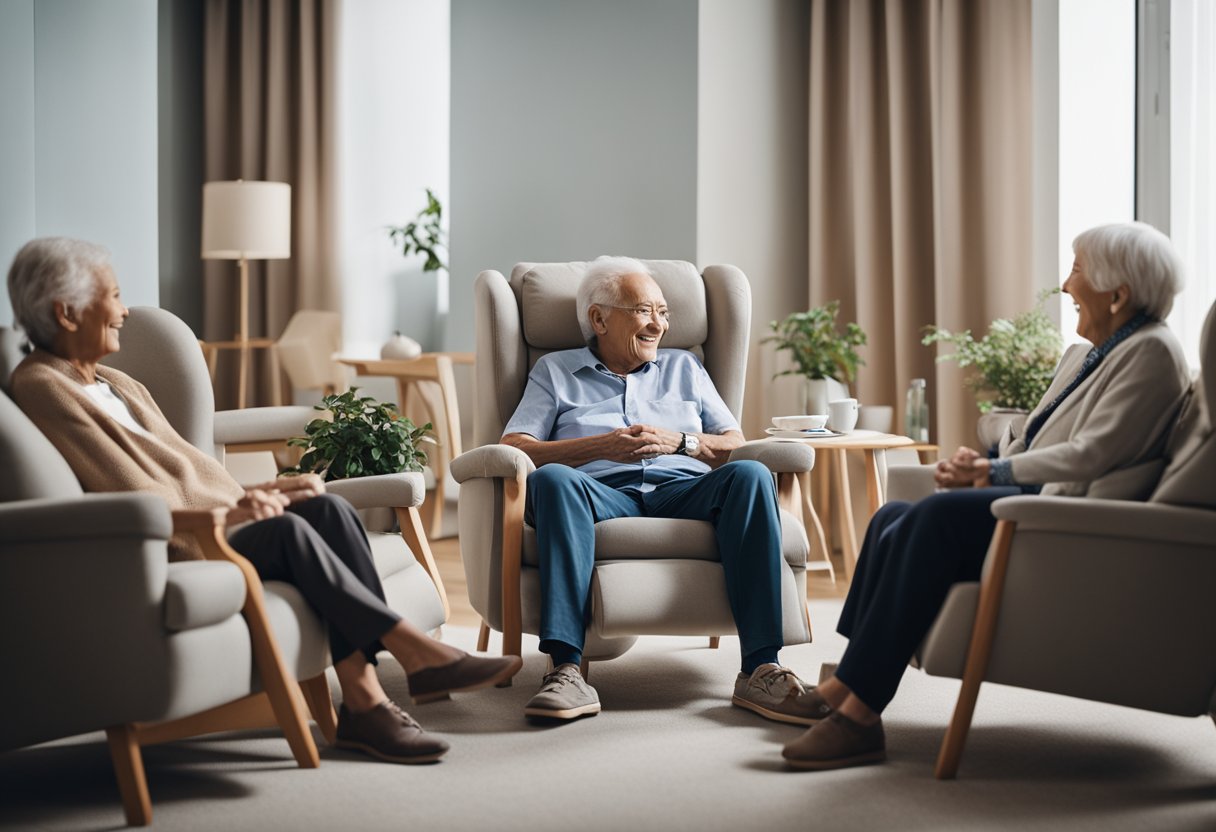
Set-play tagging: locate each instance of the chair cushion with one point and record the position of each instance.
(648, 538)
(1187, 480)
(31, 467)
(547, 295)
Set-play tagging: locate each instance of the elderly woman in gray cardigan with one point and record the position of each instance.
(1099, 431)
(66, 299)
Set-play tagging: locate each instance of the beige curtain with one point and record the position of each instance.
(270, 81)
(920, 183)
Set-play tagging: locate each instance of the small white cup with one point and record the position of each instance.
(799, 422)
(842, 415)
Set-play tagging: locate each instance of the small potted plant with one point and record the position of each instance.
(1012, 365)
(421, 235)
(824, 356)
(362, 438)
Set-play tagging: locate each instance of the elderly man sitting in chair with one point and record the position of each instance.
(620, 428)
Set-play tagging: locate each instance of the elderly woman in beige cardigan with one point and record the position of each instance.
(65, 297)
(1099, 431)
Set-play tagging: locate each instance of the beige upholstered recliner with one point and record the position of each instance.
(1109, 600)
(652, 576)
(100, 631)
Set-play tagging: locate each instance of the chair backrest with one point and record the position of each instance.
(534, 313)
(162, 353)
(306, 350)
(1188, 479)
(10, 354)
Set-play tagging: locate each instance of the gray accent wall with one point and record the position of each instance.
(79, 136)
(574, 134)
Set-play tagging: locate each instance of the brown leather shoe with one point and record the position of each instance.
(388, 733)
(466, 673)
(837, 742)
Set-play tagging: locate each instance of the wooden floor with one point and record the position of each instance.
(447, 556)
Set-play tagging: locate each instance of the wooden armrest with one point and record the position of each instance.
(196, 521)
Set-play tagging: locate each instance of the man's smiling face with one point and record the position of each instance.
(628, 333)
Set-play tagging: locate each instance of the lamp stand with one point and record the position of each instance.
(242, 336)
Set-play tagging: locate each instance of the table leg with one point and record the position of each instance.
(873, 481)
(848, 533)
(436, 456)
(820, 539)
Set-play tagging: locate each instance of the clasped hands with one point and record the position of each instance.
(966, 468)
(269, 499)
(640, 442)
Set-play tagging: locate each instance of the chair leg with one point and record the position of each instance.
(483, 638)
(129, 771)
(713, 642)
(321, 705)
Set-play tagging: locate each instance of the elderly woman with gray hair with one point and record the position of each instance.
(65, 297)
(1099, 431)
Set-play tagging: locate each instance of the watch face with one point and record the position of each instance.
(691, 444)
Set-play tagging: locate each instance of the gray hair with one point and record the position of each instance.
(601, 286)
(1137, 254)
(51, 269)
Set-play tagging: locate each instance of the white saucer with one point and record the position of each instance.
(822, 433)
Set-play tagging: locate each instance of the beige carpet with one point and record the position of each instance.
(668, 753)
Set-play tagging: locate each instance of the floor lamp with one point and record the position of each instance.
(246, 221)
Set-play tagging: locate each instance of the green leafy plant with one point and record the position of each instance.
(817, 346)
(362, 438)
(1013, 364)
(423, 235)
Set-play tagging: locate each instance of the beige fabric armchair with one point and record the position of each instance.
(653, 576)
(1077, 593)
(105, 633)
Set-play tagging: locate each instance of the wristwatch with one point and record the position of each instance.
(689, 444)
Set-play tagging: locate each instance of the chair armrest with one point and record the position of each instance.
(404, 490)
(909, 483)
(262, 424)
(1123, 519)
(492, 461)
(779, 457)
(199, 593)
(87, 517)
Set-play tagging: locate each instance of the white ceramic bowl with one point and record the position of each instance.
(800, 422)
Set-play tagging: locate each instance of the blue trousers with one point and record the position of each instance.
(738, 498)
(913, 553)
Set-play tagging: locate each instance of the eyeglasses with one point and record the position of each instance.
(646, 311)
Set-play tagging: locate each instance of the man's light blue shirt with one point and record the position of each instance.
(571, 394)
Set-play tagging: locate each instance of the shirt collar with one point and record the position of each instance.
(585, 358)
(1121, 334)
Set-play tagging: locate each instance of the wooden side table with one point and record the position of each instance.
(434, 367)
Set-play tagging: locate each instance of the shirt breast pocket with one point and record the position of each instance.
(674, 414)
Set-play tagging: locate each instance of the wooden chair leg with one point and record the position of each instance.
(713, 642)
(321, 705)
(483, 638)
(129, 771)
(978, 653)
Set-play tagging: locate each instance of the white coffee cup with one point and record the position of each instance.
(842, 415)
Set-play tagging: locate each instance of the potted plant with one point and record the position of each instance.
(824, 356)
(422, 235)
(1013, 365)
(361, 438)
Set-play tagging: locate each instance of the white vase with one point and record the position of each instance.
(401, 347)
(993, 425)
(820, 391)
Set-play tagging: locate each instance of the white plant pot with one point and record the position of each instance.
(401, 347)
(820, 391)
(993, 425)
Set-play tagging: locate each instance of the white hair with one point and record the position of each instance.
(601, 286)
(1137, 254)
(51, 269)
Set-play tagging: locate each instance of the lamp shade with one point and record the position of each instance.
(250, 220)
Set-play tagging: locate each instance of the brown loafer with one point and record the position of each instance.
(388, 733)
(466, 673)
(837, 742)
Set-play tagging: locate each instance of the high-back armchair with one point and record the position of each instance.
(652, 576)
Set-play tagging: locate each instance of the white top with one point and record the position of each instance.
(111, 403)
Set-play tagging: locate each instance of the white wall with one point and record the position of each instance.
(752, 168)
(394, 133)
(574, 134)
(88, 136)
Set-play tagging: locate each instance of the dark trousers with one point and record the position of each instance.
(739, 499)
(913, 553)
(319, 546)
